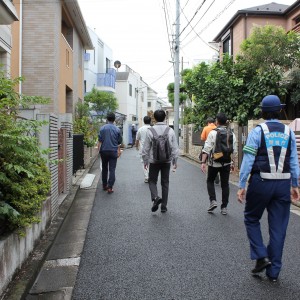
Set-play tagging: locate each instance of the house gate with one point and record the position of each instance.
(62, 160)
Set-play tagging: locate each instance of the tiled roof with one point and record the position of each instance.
(266, 9)
(271, 7)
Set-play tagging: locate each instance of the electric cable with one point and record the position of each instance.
(213, 20)
(200, 19)
(192, 17)
(170, 43)
(193, 29)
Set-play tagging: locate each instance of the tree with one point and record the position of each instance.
(270, 47)
(24, 177)
(182, 95)
(84, 124)
(237, 87)
(101, 102)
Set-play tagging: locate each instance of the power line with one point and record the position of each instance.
(199, 20)
(192, 17)
(166, 19)
(213, 20)
(149, 85)
(182, 9)
(193, 29)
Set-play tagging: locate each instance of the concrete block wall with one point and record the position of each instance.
(89, 154)
(14, 249)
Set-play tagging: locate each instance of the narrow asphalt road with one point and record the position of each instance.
(132, 253)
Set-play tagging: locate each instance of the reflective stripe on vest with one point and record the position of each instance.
(275, 174)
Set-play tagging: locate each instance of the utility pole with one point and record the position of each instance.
(176, 72)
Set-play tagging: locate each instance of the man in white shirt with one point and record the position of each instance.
(140, 139)
(215, 167)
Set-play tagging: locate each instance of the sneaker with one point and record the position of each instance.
(156, 203)
(224, 211)
(146, 180)
(105, 187)
(163, 209)
(110, 190)
(272, 279)
(213, 205)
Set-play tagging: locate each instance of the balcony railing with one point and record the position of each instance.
(107, 79)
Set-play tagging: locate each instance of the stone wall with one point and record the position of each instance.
(15, 249)
(188, 149)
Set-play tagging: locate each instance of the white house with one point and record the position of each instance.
(98, 66)
(132, 95)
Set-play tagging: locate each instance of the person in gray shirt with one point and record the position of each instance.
(156, 167)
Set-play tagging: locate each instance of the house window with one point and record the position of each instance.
(130, 89)
(297, 20)
(227, 45)
(84, 86)
(149, 104)
(107, 64)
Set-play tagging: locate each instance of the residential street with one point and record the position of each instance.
(186, 253)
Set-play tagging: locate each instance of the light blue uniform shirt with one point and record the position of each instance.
(253, 141)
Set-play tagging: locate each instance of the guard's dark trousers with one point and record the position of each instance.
(273, 195)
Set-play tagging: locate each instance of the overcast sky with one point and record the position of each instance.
(138, 34)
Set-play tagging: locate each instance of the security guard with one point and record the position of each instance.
(270, 157)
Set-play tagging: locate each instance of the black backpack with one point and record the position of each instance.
(161, 146)
(223, 145)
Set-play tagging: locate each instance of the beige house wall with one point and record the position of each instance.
(242, 29)
(15, 51)
(66, 72)
(39, 57)
(45, 66)
(290, 23)
(238, 35)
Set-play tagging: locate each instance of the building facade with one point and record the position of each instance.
(241, 24)
(132, 95)
(48, 52)
(8, 15)
(98, 66)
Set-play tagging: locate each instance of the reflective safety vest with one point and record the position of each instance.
(273, 157)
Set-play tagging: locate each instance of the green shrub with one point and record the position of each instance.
(24, 177)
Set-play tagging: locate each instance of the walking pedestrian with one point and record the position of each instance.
(160, 135)
(210, 125)
(222, 167)
(140, 140)
(109, 144)
(133, 133)
(270, 157)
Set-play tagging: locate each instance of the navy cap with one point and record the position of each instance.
(271, 103)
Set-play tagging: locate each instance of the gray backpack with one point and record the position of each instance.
(161, 146)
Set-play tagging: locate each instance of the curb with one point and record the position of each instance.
(24, 278)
